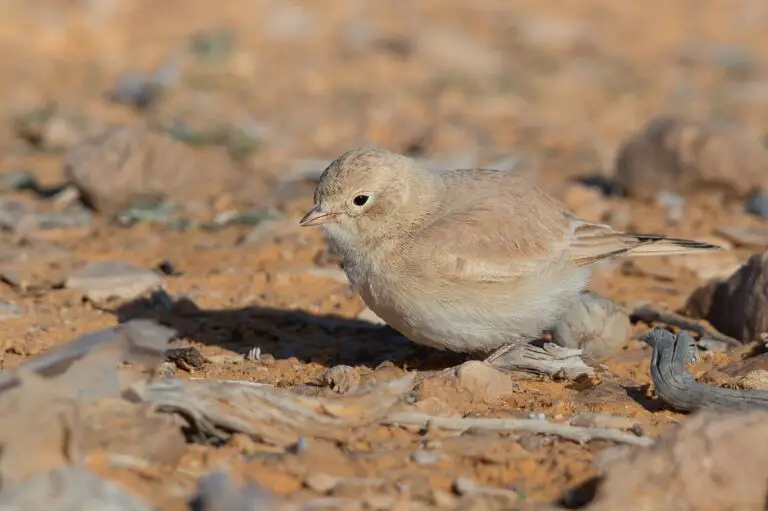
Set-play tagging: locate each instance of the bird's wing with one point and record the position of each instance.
(500, 239)
(492, 241)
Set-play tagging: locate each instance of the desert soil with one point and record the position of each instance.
(558, 84)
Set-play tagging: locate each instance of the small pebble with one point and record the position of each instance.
(602, 420)
(464, 485)
(673, 203)
(11, 213)
(299, 446)
(757, 204)
(135, 90)
(8, 311)
(341, 378)
(187, 358)
(168, 268)
(708, 344)
(320, 482)
(423, 457)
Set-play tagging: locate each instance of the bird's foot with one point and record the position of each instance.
(498, 355)
(547, 359)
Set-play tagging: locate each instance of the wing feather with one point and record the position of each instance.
(515, 229)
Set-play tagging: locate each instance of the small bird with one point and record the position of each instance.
(472, 261)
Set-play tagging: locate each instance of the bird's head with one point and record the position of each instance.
(367, 195)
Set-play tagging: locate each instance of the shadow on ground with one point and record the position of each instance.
(328, 339)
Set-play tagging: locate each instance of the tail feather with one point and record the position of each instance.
(658, 245)
(595, 242)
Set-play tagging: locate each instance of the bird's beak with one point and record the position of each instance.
(316, 217)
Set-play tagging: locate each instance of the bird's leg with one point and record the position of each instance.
(539, 359)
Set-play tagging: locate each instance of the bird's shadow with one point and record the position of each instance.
(325, 339)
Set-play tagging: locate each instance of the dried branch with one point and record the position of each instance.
(270, 414)
(648, 315)
(679, 389)
(575, 433)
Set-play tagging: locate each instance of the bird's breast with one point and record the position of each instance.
(357, 273)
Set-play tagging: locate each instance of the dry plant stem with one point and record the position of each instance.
(679, 389)
(577, 434)
(648, 315)
(270, 414)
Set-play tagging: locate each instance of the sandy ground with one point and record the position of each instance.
(558, 84)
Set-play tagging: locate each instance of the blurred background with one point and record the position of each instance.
(560, 84)
(155, 157)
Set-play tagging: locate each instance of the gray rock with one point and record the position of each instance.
(686, 156)
(75, 216)
(423, 457)
(594, 324)
(757, 204)
(124, 166)
(113, 279)
(12, 213)
(17, 180)
(217, 492)
(141, 91)
(738, 306)
(9, 311)
(69, 489)
(673, 203)
(18, 217)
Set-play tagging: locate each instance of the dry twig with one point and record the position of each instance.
(271, 414)
(648, 315)
(679, 389)
(577, 434)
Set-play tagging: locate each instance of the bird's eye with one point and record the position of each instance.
(360, 200)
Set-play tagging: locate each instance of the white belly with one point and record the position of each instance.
(472, 322)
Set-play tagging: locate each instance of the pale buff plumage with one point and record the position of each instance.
(463, 260)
